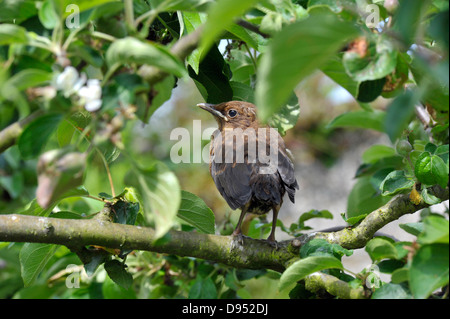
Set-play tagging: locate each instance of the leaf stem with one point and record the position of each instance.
(129, 14)
(151, 15)
(96, 198)
(103, 36)
(70, 38)
(108, 172)
(110, 72)
(251, 56)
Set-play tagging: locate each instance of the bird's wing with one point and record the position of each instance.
(286, 170)
(231, 179)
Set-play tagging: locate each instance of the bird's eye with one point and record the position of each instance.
(232, 113)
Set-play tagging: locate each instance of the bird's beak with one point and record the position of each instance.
(210, 108)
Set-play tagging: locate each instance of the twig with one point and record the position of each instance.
(181, 49)
(249, 26)
(9, 134)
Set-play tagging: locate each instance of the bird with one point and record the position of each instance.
(245, 178)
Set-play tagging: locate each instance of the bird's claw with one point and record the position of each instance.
(273, 243)
(237, 241)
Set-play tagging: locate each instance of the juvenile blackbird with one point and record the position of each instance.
(244, 177)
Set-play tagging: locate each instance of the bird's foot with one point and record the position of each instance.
(237, 241)
(272, 242)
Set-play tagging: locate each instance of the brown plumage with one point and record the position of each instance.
(247, 179)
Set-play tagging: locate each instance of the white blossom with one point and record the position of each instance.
(72, 84)
(67, 80)
(91, 95)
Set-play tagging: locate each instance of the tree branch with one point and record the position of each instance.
(9, 135)
(318, 282)
(79, 233)
(357, 237)
(253, 253)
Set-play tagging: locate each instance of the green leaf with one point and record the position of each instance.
(220, 17)
(65, 215)
(380, 248)
(430, 147)
(203, 288)
(378, 62)
(242, 68)
(194, 211)
(443, 152)
(314, 213)
(242, 92)
(16, 11)
(243, 35)
(304, 267)
(111, 290)
(231, 280)
(88, 54)
(369, 90)
(320, 247)
(164, 92)
(33, 258)
(429, 198)
(50, 13)
(132, 50)
(118, 273)
(11, 33)
(412, 228)
(392, 291)
(35, 135)
(160, 193)
(431, 170)
(407, 19)
(64, 133)
(294, 53)
(395, 182)
(191, 21)
(399, 114)
(361, 119)
(287, 116)
(181, 5)
(213, 77)
(364, 198)
(429, 270)
(125, 212)
(13, 184)
(355, 219)
(400, 275)
(377, 152)
(435, 230)
(336, 71)
(91, 266)
(85, 5)
(29, 78)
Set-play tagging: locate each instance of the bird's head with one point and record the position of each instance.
(232, 114)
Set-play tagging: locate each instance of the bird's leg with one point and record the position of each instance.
(237, 233)
(275, 210)
(237, 230)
